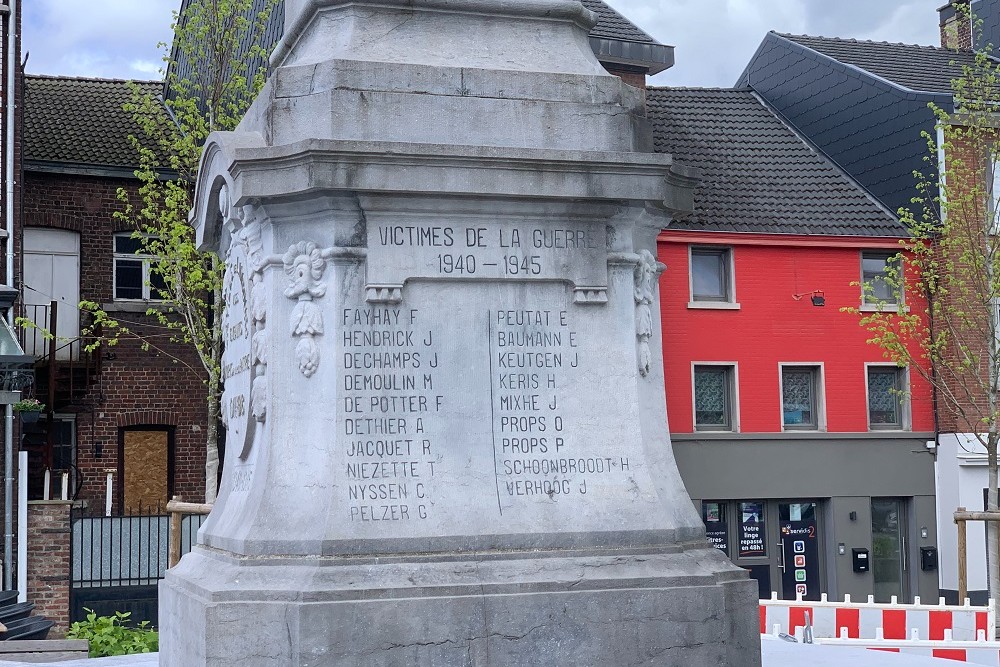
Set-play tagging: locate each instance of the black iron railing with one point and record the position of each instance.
(116, 562)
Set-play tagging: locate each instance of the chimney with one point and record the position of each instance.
(956, 25)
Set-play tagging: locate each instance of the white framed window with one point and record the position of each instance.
(133, 279)
(715, 396)
(711, 277)
(803, 404)
(880, 275)
(887, 388)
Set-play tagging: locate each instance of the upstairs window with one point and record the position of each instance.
(800, 397)
(133, 279)
(714, 398)
(879, 272)
(712, 275)
(886, 397)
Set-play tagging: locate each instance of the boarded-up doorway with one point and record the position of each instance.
(146, 467)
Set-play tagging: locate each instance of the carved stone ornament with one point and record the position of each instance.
(589, 296)
(645, 273)
(250, 238)
(304, 266)
(243, 322)
(390, 295)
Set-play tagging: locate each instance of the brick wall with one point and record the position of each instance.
(956, 31)
(632, 76)
(49, 562)
(160, 386)
(84, 204)
(966, 401)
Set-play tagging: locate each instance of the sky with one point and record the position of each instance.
(714, 39)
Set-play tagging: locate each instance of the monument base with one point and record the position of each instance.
(680, 605)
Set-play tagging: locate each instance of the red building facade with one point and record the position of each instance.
(774, 280)
(803, 447)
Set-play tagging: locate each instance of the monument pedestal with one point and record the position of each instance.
(655, 607)
(446, 431)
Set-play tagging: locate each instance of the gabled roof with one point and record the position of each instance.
(80, 121)
(917, 68)
(760, 176)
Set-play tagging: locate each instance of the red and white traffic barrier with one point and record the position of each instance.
(980, 652)
(864, 620)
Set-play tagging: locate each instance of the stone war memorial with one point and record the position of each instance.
(446, 430)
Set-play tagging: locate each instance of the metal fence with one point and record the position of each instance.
(117, 561)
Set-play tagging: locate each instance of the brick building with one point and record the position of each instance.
(138, 413)
(783, 419)
(865, 105)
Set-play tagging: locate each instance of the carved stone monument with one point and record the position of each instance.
(447, 441)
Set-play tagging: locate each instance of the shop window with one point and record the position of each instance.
(753, 530)
(716, 525)
(714, 392)
(886, 397)
(880, 276)
(134, 279)
(712, 277)
(801, 405)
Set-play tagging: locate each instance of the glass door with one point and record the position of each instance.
(888, 549)
(752, 543)
(776, 542)
(798, 560)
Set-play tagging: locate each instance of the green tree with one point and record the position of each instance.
(952, 261)
(212, 80)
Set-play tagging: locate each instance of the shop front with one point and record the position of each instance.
(827, 515)
(777, 542)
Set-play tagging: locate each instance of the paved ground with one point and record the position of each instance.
(776, 653)
(144, 660)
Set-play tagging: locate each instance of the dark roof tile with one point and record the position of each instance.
(612, 25)
(79, 120)
(759, 175)
(918, 68)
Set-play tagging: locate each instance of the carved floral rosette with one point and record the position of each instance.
(304, 267)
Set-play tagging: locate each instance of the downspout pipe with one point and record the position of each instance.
(10, 100)
(11, 62)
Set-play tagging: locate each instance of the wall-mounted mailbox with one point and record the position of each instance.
(859, 559)
(928, 559)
